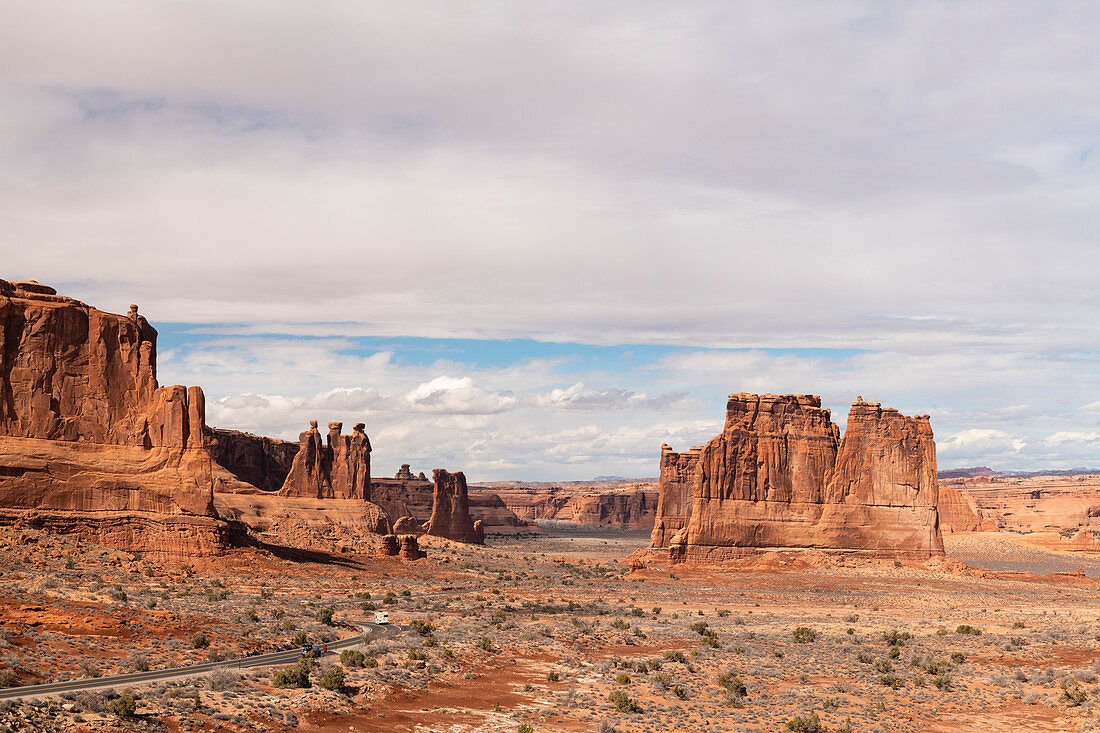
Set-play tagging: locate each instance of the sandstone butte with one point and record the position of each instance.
(780, 477)
(451, 510)
(91, 444)
(89, 441)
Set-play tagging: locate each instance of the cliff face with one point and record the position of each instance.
(253, 459)
(674, 498)
(88, 441)
(626, 508)
(779, 477)
(959, 513)
(451, 509)
(336, 469)
(412, 496)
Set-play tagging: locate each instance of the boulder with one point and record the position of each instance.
(407, 525)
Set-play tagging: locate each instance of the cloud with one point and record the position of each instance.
(576, 397)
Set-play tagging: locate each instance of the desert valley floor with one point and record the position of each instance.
(557, 632)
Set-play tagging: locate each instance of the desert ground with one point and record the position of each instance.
(557, 632)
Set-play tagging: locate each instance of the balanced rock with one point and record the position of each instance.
(407, 525)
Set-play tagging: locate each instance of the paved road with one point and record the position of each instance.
(289, 656)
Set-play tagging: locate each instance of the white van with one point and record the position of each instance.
(381, 617)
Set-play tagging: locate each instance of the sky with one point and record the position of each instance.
(536, 240)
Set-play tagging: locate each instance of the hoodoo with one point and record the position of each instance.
(451, 509)
(89, 442)
(780, 477)
(336, 469)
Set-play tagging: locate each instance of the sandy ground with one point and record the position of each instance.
(555, 632)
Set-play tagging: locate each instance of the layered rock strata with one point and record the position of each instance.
(411, 496)
(625, 507)
(959, 513)
(780, 477)
(89, 442)
(451, 509)
(674, 498)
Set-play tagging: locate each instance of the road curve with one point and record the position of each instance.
(289, 656)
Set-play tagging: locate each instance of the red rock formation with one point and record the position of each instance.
(630, 506)
(451, 509)
(407, 525)
(779, 477)
(88, 441)
(959, 513)
(406, 495)
(339, 469)
(674, 494)
(262, 462)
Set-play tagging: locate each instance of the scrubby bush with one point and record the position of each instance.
(124, 706)
(424, 628)
(352, 658)
(325, 616)
(732, 684)
(810, 724)
(200, 641)
(803, 635)
(622, 702)
(296, 676)
(968, 629)
(485, 643)
(676, 656)
(332, 679)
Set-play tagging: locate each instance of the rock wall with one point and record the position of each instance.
(412, 496)
(88, 440)
(262, 462)
(451, 509)
(959, 513)
(336, 469)
(632, 507)
(674, 494)
(779, 476)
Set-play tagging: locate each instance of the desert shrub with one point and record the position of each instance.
(416, 655)
(620, 624)
(370, 662)
(368, 606)
(623, 679)
(124, 706)
(893, 637)
(622, 702)
(968, 629)
(710, 639)
(222, 679)
(553, 676)
(1073, 693)
(424, 628)
(140, 663)
(300, 638)
(732, 684)
(942, 681)
(894, 652)
(891, 680)
(525, 728)
(958, 657)
(485, 643)
(864, 657)
(296, 676)
(200, 640)
(325, 616)
(699, 627)
(803, 635)
(851, 618)
(332, 679)
(352, 658)
(810, 724)
(1018, 625)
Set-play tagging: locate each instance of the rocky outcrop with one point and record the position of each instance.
(959, 513)
(407, 525)
(336, 469)
(89, 442)
(406, 546)
(1052, 502)
(630, 506)
(409, 495)
(256, 460)
(674, 494)
(779, 477)
(451, 509)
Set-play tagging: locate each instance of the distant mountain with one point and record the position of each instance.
(968, 472)
(986, 472)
